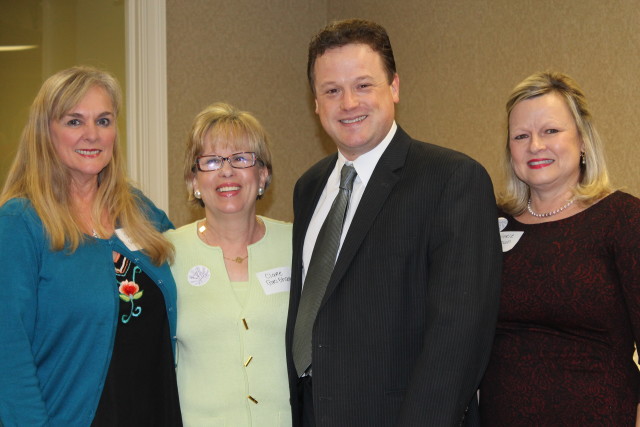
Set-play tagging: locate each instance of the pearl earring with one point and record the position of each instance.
(260, 191)
(197, 194)
(583, 159)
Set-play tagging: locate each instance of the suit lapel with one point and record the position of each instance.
(385, 176)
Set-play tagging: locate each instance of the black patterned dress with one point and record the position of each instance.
(140, 388)
(569, 316)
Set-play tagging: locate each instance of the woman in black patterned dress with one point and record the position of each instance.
(570, 304)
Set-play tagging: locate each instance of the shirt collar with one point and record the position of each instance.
(366, 163)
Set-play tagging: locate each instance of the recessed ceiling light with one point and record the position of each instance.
(17, 47)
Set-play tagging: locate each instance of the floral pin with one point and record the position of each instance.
(130, 291)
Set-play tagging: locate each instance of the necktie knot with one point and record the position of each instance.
(347, 176)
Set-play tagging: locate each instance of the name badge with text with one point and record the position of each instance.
(508, 238)
(275, 280)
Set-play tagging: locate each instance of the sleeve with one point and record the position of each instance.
(626, 251)
(463, 292)
(156, 215)
(21, 400)
(162, 221)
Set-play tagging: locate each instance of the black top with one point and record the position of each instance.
(140, 388)
(569, 316)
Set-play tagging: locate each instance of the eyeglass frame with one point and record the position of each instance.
(228, 159)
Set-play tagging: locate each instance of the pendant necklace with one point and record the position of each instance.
(239, 260)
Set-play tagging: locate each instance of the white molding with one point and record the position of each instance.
(146, 66)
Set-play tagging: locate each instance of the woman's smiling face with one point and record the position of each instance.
(84, 137)
(229, 190)
(545, 143)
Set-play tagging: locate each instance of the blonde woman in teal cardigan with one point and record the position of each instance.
(88, 314)
(233, 271)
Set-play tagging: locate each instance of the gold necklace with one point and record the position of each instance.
(239, 260)
(236, 259)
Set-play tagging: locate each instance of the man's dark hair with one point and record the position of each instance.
(352, 31)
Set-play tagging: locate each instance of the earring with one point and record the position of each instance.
(197, 194)
(260, 191)
(583, 159)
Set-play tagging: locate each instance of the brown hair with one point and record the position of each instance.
(351, 31)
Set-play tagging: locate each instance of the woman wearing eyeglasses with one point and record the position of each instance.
(233, 271)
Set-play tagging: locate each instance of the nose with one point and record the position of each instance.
(537, 144)
(226, 169)
(349, 100)
(91, 132)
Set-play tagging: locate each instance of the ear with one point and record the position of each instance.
(194, 183)
(316, 101)
(395, 88)
(264, 175)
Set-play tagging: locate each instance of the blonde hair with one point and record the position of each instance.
(38, 174)
(594, 179)
(226, 126)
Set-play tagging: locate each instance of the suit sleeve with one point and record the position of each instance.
(463, 291)
(21, 401)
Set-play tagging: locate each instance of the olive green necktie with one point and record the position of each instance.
(319, 272)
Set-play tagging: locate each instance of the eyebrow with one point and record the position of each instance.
(80, 115)
(356, 80)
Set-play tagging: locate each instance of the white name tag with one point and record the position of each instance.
(275, 280)
(124, 237)
(509, 239)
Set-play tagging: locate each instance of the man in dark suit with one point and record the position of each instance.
(404, 326)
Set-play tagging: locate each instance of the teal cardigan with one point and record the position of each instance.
(58, 318)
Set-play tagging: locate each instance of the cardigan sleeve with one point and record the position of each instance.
(156, 215)
(21, 243)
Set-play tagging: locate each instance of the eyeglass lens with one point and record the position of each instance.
(237, 160)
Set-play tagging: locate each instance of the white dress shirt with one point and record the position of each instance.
(364, 165)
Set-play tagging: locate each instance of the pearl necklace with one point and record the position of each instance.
(548, 214)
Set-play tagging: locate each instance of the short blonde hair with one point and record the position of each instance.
(594, 179)
(226, 126)
(38, 173)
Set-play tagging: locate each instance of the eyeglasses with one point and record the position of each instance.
(242, 160)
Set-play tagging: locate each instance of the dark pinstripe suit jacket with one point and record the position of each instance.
(405, 329)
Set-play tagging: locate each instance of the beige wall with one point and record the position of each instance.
(457, 60)
(66, 33)
(250, 53)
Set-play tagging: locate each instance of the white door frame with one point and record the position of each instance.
(146, 71)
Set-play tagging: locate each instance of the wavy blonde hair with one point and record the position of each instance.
(594, 179)
(38, 174)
